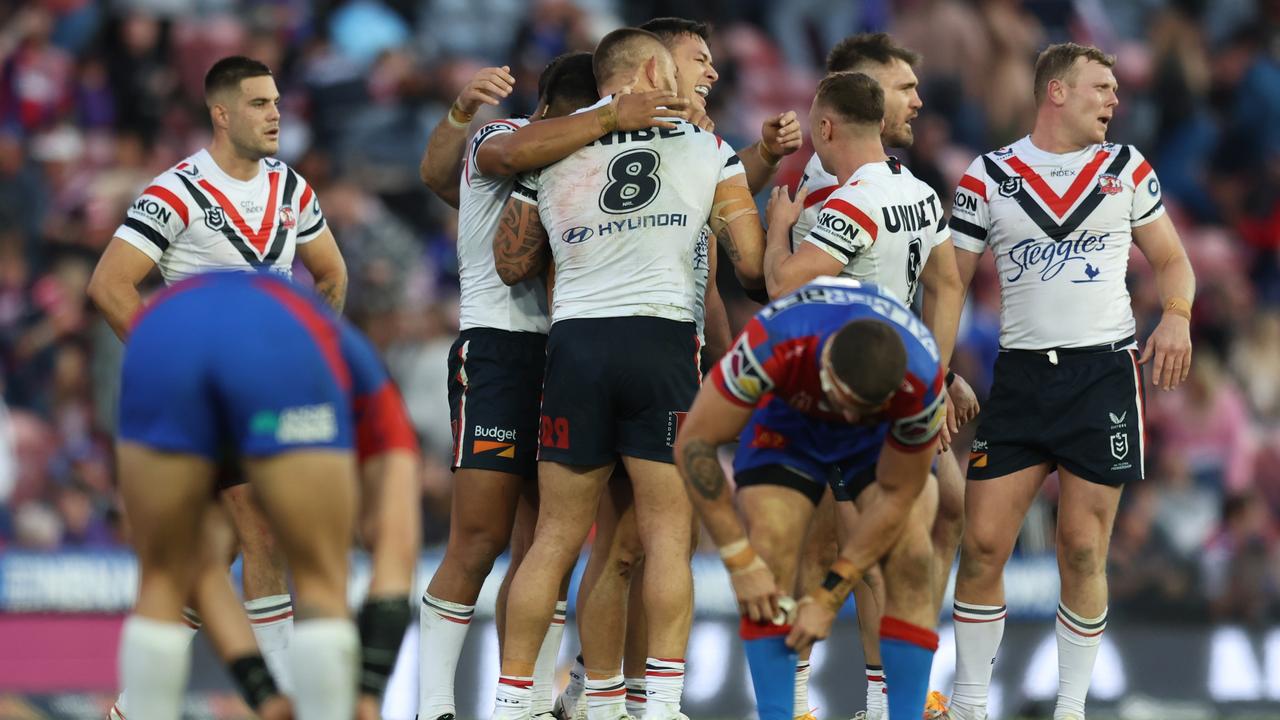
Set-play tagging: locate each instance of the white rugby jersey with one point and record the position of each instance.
(485, 300)
(194, 218)
(882, 224)
(820, 184)
(1060, 227)
(624, 215)
(701, 274)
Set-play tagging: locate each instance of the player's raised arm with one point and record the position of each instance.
(520, 249)
(441, 165)
(779, 136)
(114, 284)
(1170, 343)
(542, 143)
(735, 222)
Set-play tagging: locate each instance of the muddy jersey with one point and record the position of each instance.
(1060, 227)
(194, 218)
(624, 216)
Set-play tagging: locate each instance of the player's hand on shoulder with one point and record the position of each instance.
(781, 134)
(812, 623)
(698, 113)
(489, 86)
(1169, 351)
(757, 591)
(782, 209)
(637, 111)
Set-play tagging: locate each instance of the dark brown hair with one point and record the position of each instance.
(856, 97)
(868, 356)
(858, 51)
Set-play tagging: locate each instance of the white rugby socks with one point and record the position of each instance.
(271, 618)
(544, 670)
(1078, 642)
(154, 662)
(979, 629)
(324, 658)
(442, 629)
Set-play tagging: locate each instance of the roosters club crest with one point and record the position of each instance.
(287, 219)
(1109, 185)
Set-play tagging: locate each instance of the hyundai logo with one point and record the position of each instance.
(575, 235)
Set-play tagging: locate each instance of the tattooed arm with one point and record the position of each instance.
(736, 224)
(712, 421)
(324, 261)
(520, 249)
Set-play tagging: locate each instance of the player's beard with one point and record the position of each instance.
(901, 136)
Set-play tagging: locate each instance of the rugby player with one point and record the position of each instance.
(229, 206)
(1060, 210)
(646, 211)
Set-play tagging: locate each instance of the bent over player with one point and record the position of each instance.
(1060, 210)
(852, 385)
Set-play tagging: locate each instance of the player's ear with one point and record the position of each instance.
(651, 71)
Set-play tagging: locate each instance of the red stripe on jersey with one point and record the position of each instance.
(855, 215)
(1059, 205)
(259, 239)
(306, 198)
(165, 194)
(974, 185)
(1143, 170)
(382, 424)
(818, 196)
(320, 328)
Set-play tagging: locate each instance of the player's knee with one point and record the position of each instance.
(477, 548)
(777, 546)
(1079, 555)
(982, 553)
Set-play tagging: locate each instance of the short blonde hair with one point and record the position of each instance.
(1057, 62)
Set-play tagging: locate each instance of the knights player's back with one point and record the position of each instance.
(194, 218)
(624, 215)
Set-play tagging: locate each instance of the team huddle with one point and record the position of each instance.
(254, 418)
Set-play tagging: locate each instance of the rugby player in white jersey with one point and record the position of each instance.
(496, 365)
(1060, 210)
(230, 206)
(624, 215)
(877, 55)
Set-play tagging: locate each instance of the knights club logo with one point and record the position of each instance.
(1109, 185)
(1010, 187)
(287, 219)
(215, 218)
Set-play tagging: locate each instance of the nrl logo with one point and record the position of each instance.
(1010, 187)
(215, 218)
(1120, 445)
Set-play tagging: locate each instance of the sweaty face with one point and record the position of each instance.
(901, 101)
(1090, 100)
(254, 117)
(695, 74)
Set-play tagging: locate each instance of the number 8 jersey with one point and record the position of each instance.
(623, 216)
(882, 224)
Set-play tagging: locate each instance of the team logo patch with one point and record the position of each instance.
(977, 459)
(575, 235)
(1109, 184)
(287, 219)
(492, 447)
(1010, 187)
(1153, 186)
(1120, 445)
(674, 420)
(766, 439)
(215, 218)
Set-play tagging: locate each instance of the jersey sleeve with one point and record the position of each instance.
(730, 163)
(1148, 202)
(740, 375)
(843, 229)
(310, 217)
(939, 233)
(527, 186)
(154, 220)
(916, 417)
(970, 218)
(381, 420)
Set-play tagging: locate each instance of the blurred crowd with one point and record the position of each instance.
(97, 97)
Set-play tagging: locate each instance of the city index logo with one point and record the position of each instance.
(494, 441)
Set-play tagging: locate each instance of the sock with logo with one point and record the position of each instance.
(191, 624)
(514, 695)
(773, 668)
(442, 627)
(876, 692)
(635, 696)
(606, 697)
(1078, 641)
(544, 670)
(979, 629)
(271, 618)
(154, 661)
(801, 705)
(663, 686)
(907, 653)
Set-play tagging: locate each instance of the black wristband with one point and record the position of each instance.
(832, 580)
(951, 377)
(382, 622)
(253, 679)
